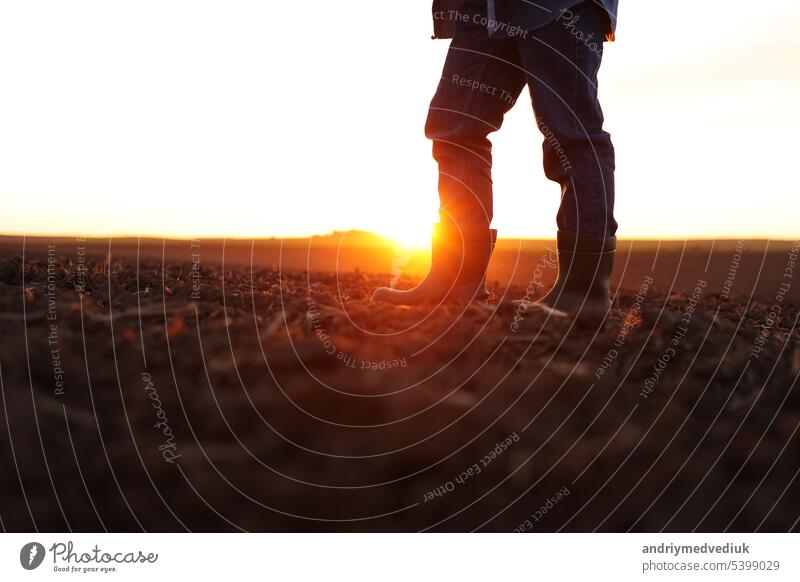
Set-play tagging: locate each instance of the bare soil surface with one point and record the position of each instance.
(183, 397)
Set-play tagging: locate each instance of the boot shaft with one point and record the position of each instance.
(585, 264)
(462, 254)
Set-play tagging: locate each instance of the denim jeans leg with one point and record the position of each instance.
(480, 82)
(561, 62)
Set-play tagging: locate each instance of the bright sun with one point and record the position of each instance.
(412, 237)
(407, 226)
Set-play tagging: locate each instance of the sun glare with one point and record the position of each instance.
(410, 238)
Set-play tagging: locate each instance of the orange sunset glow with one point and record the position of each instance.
(226, 134)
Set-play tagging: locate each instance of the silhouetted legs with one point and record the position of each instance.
(482, 79)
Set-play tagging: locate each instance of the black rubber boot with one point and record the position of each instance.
(584, 269)
(459, 257)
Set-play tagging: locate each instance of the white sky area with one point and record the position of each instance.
(238, 118)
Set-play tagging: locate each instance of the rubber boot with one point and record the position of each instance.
(459, 257)
(584, 269)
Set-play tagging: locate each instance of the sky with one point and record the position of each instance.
(238, 119)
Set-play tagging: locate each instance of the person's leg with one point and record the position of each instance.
(480, 83)
(561, 63)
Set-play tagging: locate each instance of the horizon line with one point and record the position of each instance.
(135, 236)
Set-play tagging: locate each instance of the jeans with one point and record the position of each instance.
(481, 81)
